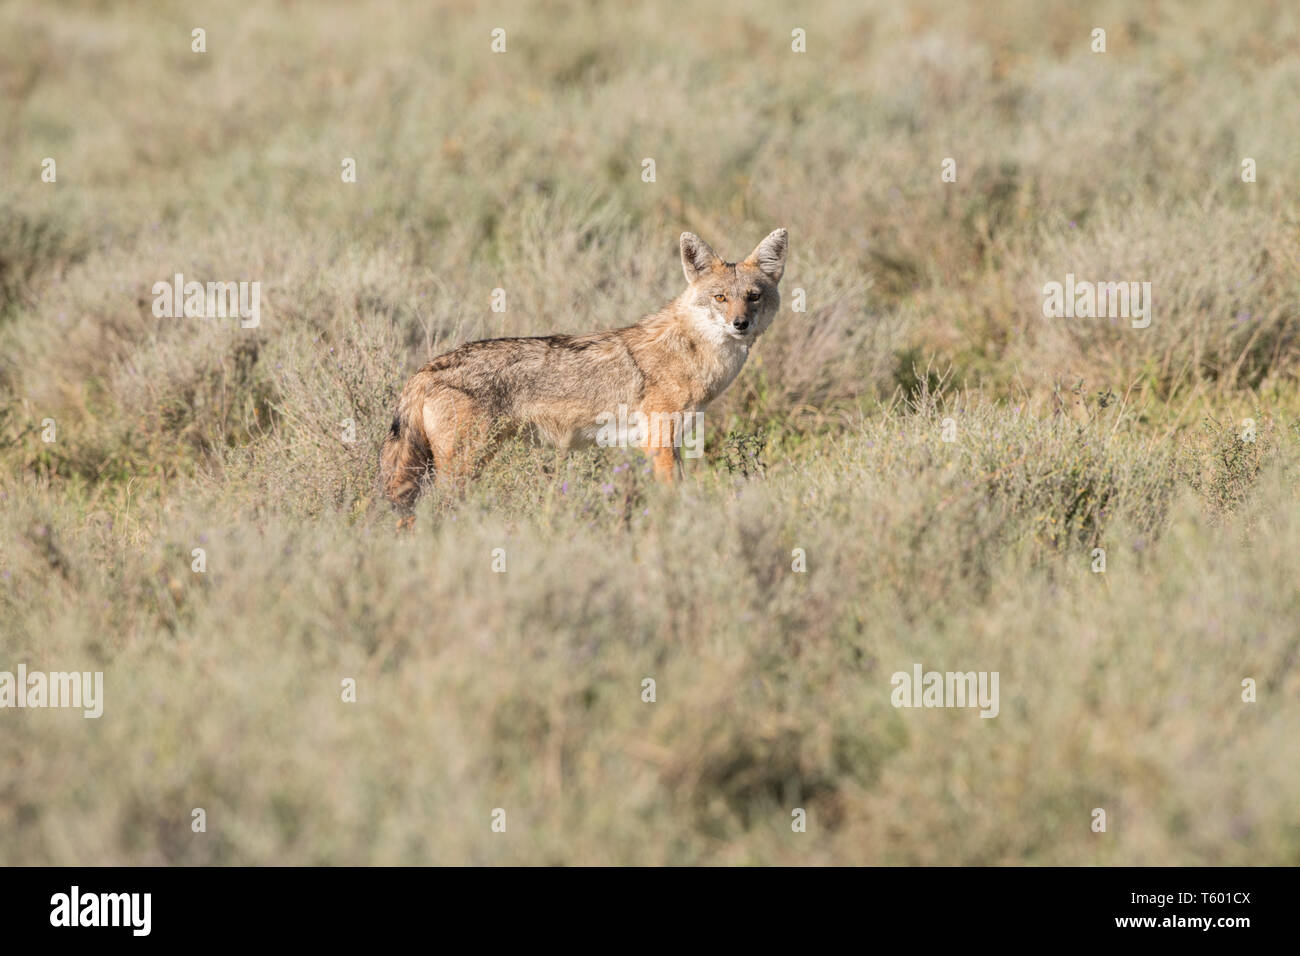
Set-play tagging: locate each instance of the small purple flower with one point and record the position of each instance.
(564, 488)
(606, 488)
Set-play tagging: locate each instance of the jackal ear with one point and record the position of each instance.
(697, 257)
(769, 256)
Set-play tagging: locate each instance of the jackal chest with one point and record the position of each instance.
(727, 361)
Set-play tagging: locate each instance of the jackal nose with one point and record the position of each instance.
(740, 324)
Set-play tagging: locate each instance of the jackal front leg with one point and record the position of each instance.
(661, 444)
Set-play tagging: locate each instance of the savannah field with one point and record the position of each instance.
(943, 460)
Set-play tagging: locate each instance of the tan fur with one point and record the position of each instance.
(674, 362)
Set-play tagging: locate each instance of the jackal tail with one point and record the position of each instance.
(404, 460)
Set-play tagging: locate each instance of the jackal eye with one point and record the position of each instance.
(720, 297)
(753, 296)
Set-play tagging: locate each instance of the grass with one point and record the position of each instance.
(942, 460)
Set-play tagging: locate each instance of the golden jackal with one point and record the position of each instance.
(669, 365)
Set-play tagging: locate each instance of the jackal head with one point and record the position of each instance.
(734, 299)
